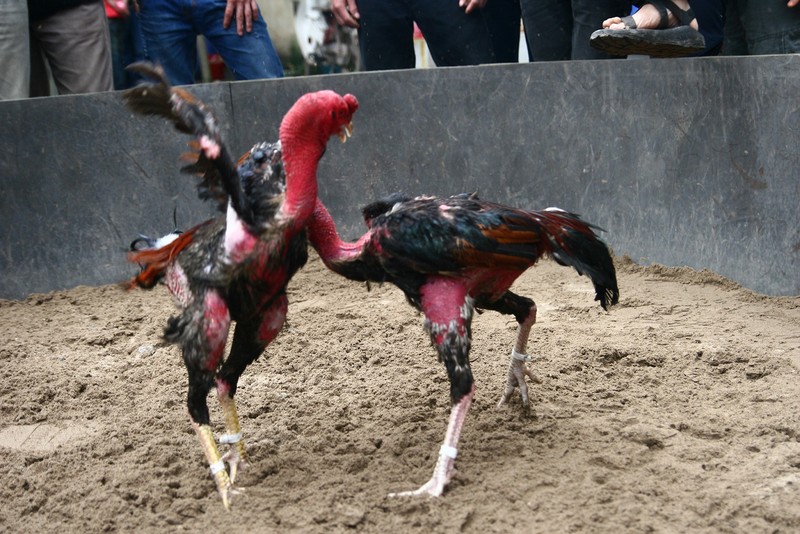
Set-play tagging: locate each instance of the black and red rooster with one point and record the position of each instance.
(452, 256)
(235, 267)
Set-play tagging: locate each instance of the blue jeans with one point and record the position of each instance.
(171, 27)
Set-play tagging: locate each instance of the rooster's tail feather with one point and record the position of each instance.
(573, 243)
(155, 261)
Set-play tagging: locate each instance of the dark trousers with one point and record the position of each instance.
(127, 46)
(711, 20)
(763, 27)
(560, 29)
(76, 46)
(504, 20)
(386, 33)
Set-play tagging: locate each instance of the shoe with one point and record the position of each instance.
(678, 41)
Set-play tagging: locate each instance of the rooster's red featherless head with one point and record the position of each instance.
(324, 112)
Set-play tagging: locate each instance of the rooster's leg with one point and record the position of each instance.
(448, 317)
(215, 462)
(524, 310)
(199, 386)
(202, 330)
(236, 456)
(447, 452)
(249, 341)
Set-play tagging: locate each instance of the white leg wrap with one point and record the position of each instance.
(448, 452)
(217, 466)
(520, 357)
(230, 438)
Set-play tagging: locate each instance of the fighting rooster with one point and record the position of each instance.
(235, 267)
(451, 256)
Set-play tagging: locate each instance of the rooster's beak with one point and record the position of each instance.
(345, 132)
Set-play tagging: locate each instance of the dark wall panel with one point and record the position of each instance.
(685, 162)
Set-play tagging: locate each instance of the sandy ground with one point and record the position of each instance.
(675, 412)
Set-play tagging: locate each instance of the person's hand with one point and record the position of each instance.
(245, 12)
(471, 5)
(792, 3)
(345, 12)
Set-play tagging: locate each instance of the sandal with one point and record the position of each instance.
(678, 41)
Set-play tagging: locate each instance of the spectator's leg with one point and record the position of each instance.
(503, 18)
(40, 76)
(454, 37)
(76, 44)
(735, 42)
(169, 38)
(386, 35)
(251, 56)
(711, 20)
(118, 29)
(548, 29)
(771, 27)
(14, 50)
(136, 48)
(588, 16)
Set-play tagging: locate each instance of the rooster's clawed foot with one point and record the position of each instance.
(517, 371)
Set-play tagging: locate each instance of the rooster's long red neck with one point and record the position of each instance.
(324, 238)
(302, 151)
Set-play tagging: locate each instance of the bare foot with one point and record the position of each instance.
(648, 17)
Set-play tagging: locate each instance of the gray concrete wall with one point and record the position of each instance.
(684, 162)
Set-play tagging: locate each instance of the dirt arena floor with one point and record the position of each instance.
(678, 411)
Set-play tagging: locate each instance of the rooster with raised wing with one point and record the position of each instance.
(235, 267)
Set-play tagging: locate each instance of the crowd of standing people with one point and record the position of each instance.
(83, 46)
